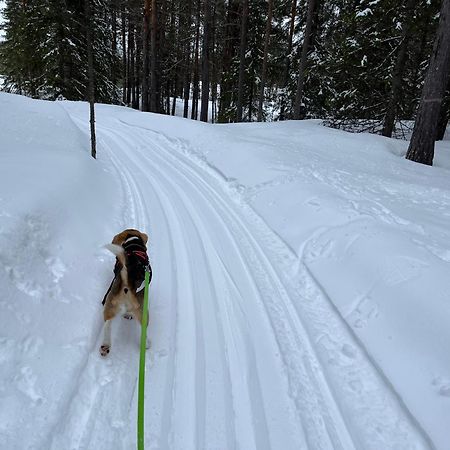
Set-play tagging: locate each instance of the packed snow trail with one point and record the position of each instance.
(244, 355)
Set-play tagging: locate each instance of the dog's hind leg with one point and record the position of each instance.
(108, 314)
(106, 344)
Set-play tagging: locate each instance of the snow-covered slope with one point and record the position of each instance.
(300, 297)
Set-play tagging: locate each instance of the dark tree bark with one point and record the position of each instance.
(205, 61)
(131, 76)
(444, 115)
(304, 59)
(288, 58)
(129, 61)
(399, 67)
(230, 45)
(91, 85)
(124, 56)
(242, 51)
(214, 64)
(145, 56)
(265, 56)
(186, 21)
(154, 87)
(174, 100)
(421, 147)
(195, 88)
(250, 101)
(114, 10)
(137, 72)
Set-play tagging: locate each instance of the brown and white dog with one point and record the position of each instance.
(122, 297)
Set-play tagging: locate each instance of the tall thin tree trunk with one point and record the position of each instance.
(187, 58)
(137, 66)
(114, 49)
(399, 67)
(91, 74)
(242, 51)
(145, 56)
(153, 60)
(230, 44)
(195, 89)
(132, 75)
(214, 64)
(174, 100)
(124, 57)
(287, 65)
(250, 102)
(304, 59)
(205, 61)
(265, 56)
(421, 147)
(129, 66)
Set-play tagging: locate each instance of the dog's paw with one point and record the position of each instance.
(104, 350)
(128, 316)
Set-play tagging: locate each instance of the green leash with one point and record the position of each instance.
(140, 424)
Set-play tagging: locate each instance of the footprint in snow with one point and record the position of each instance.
(56, 267)
(349, 351)
(31, 345)
(25, 382)
(442, 385)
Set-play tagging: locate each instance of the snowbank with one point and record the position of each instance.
(356, 233)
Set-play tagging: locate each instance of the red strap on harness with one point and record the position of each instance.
(140, 254)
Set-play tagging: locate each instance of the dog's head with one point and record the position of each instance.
(120, 238)
(132, 271)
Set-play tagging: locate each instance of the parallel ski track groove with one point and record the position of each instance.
(291, 317)
(171, 366)
(289, 313)
(181, 208)
(198, 337)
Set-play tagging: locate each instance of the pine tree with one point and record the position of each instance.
(421, 147)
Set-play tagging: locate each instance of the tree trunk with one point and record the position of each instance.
(114, 49)
(214, 65)
(250, 101)
(131, 46)
(187, 58)
(91, 85)
(230, 43)
(288, 59)
(174, 100)
(421, 147)
(195, 89)
(129, 66)
(303, 59)
(399, 67)
(264, 65)
(444, 115)
(145, 56)
(137, 66)
(154, 106)
(205, 62)
(242, 51)
(124, 57)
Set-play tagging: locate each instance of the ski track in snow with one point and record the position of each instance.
(243, 354)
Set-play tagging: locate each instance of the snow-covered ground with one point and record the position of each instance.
(300, 298)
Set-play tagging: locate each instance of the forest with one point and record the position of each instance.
(358, 64)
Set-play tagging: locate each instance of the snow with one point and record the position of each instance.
(299, 298)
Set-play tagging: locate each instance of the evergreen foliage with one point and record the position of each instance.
(366, 59)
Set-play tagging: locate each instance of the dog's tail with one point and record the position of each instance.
(119, 251)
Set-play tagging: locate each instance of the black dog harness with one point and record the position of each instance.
(137, 262)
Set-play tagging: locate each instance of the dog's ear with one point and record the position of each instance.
(144, 238)
(118, 239)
